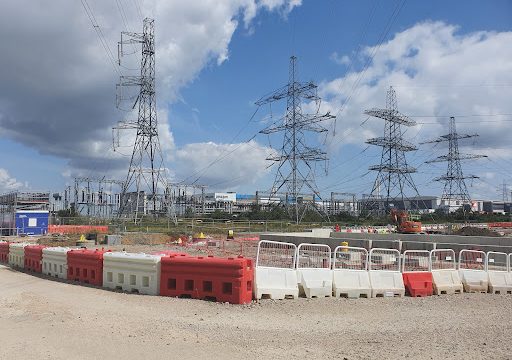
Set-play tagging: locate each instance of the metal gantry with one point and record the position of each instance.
(97, 197)
(296, 160)
(394, 174)
(455, 192)
(145, 190)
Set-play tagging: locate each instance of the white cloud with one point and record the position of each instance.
(9, 183)
(223, 166)
(340, 59)
(70, 82)
(435, 71)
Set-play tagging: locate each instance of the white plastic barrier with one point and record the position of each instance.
(445, 277)
(385, 276)
(498, 271)
(275, 276)
(314, 273)
(55, 262)
(132, 272)
(17, 255)
(350, 272)
(472, 271)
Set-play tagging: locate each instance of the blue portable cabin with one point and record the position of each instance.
(31, 222)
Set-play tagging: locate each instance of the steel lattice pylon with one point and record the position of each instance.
(394, 174)
(296, 171)
(145, 189)
(455, 188)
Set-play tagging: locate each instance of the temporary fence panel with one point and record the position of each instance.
(85, 265)
(4, 252)
(55, 261)
(445, 276)
(498, 272)
(275, 276)
(132, 272)
(34, 258)
(17, 254)
(472, 270)
(209, 278)
(416, 273)
(384, 271)
(314, 273)
(350, 272)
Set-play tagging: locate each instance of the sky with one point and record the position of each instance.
(214, 59)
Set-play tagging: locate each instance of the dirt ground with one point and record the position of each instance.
(46, 319)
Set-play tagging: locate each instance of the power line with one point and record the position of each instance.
(101, 36)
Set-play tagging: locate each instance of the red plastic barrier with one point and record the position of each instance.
(4, 252)
(500, 225)
(418, 284)
(34, 258)
(86, 266)
(208, 278)
(76, 229)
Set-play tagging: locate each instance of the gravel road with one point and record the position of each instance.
(44, 319)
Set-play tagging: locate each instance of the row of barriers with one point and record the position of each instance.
(165, 273)
(284, 270)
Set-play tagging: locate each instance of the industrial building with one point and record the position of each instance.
(24, 213)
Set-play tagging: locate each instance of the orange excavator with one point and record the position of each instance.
(405, 223)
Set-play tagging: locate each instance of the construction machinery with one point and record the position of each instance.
(405, 222)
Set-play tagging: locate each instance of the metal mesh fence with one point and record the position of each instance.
(350, 258)
(276, 254)
(416, 261)
(442, 259)
(384, 259)
(313, 256)
(472, 260)
(497, 261)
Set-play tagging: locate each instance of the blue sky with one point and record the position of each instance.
(208, 99)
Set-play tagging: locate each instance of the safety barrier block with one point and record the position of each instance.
(314, 274)
(275, 276)
(34, 258)
(418, 284)
(500, 282)
(208, 278)
(498, 271)
(472, 271)
(4, 252)
(445, 277)
(416, 273)
(55, 261)
(446, 281)
(350, 272)
(474, 280)
(132, 272)
(86, 265)
(351, 283)
(17, 254)
(384, 271)
(275, 283)
(386, 284)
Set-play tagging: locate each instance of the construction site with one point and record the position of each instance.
(397, 246)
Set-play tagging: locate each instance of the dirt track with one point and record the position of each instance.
(43, 319)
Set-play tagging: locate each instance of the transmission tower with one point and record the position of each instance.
(503, 191)
(455, 189)
(394, 174)
(296, 160)
(145, 189)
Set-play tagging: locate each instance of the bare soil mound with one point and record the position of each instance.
(474, 231)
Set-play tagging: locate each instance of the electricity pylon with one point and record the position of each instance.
(455, 192)
(296, 159)
(394, 174)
